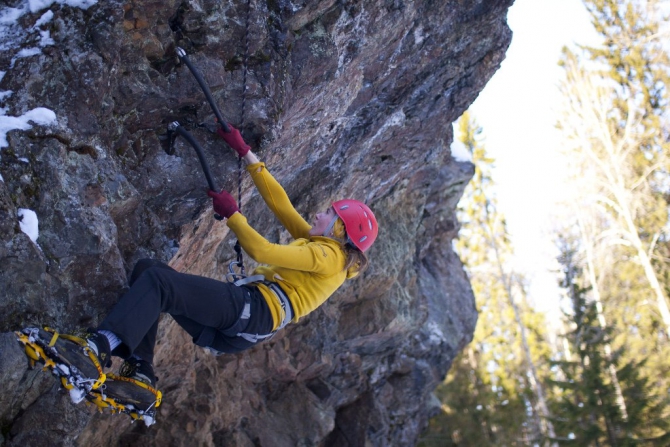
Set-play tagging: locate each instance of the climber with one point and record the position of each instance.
(292, 281)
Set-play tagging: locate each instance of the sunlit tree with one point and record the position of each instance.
(494, 393)
(615, 123)
(593, 381)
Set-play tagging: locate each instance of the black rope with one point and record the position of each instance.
(175, 26)
(238, 247)
(246, 62)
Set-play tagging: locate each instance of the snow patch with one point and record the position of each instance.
(38, 5)
(25, 52)
(418, 35)
(77, 395)
(39, 115)
(460, 153)
(148, 420)
(29, 223)
(45, 39)
(435, 334)
(13, 35)
(46, 18)
(9, 16)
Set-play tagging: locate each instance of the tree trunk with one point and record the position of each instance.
(543, 409)
(591, 273)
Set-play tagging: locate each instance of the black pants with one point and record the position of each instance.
(202, 306)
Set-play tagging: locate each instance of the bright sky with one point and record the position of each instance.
(517, 112)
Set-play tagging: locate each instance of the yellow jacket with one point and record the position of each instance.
(308, 269)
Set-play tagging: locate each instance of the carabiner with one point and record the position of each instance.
(232, 275)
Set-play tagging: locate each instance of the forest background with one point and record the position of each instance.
(574, 350)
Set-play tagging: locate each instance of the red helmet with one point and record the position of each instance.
(359, 221)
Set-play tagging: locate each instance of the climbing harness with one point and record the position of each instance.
(238, 328)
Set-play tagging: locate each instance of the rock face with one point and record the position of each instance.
(343, 98)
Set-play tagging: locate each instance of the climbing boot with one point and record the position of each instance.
(140, 370)
(132, 392)
(77, 360)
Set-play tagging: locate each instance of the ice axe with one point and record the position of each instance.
(176, 127)
(205, 89)
(224, 126)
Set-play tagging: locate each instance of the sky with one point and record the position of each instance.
(517, 113)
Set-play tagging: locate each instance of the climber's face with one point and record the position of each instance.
(322, 221)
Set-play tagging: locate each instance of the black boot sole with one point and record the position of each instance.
(129, 396)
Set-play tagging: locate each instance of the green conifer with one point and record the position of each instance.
(586, 410)
(490, 397)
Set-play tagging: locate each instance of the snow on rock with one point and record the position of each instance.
(460, 152)
(38, 5)
(12, 35)
(39, 115)
(29, 223)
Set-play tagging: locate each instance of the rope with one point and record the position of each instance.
(176, 28)
(245, 68)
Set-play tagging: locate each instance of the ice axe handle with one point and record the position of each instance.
(205, 89)
(201, 156)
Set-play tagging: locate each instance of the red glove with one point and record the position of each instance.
(223, 202)
(234, 140)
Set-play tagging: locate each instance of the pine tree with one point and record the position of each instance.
(617, 124)
(616, 119)
(587, 411)
(494, 393)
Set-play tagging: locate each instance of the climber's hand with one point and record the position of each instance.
(234, 140)
(224, 204)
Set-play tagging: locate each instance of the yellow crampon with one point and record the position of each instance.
(40, 345)
(116, 405)
(36, 350)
